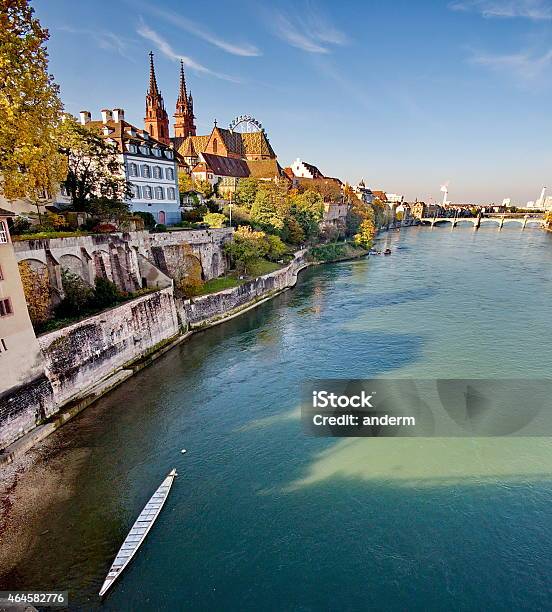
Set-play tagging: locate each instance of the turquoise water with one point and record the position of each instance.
(263, 517)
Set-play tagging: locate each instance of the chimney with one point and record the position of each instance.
(85, 117)
(118, 115)
(106, 115)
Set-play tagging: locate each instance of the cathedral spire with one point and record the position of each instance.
(184, 125)
(153, 89)
(156, 121)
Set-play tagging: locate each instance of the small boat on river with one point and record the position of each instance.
(139, 531)
(387, 252)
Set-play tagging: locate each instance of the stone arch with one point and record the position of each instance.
(73, 264)
(102, 264)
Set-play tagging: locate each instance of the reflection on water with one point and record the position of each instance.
(263, 517)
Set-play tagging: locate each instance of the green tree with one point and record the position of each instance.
(246, 247)
(265, 212)
(366, 234)
(308, 209)
(276, 248)
(106, 293)
(78, 295)
(246, 192)
(30, 109)
(95, 172)
(216, 220)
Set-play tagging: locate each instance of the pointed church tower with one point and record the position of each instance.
(184, 125)
(156, 121)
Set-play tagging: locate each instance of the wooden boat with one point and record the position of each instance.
(139, 531)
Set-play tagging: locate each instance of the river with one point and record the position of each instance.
(263, 517)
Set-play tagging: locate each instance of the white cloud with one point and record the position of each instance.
(165, 48)
(523, 65)
(306, 29)
(529, 9)
(103, 39)
(192, 27)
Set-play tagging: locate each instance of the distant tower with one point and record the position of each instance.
(184, 125)
(156, 121)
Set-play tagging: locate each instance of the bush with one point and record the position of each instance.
(21, 225)
(276, 248)
(104, 228)
(106, 293)
(160, 227)
(215, 220)
(195, 214)
(78, 295)
(149, 219)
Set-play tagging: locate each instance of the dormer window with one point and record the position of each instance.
(145, 150)
(132, 148)
(168, 154)
(157, 152)
(106, 130)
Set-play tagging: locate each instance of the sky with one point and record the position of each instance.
(409, 95)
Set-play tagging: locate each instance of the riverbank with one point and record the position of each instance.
(100, 377)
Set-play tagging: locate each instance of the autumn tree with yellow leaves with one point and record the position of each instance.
(30, 108)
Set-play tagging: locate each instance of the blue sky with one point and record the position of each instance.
(408, 94)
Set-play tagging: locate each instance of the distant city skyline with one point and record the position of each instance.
(409, 96)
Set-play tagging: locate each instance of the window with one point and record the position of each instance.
(169, 154)
(135, 191)
(157, 172)
(1, 275)
(3, 233)
(5, 307)
(146, 173)
(157, 152)
(4, 347)
(145, 150)
(215, 145)
(147, 192)
(133, 170)
(159, 193)
(171, 195)
(169, 173)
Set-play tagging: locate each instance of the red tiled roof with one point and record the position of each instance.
(226, 166)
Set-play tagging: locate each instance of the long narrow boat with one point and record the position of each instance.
(139, 531)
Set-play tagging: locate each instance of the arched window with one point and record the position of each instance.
(146, 173)
(171, 193)
(135, 191)
(169, 173)
(214, 145)
(159, 193)
(147, 192)
(133, 169)
(157, 172)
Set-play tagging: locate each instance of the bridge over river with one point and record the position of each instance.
(524, 219)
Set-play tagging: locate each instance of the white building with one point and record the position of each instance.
(302, 169)
(150, 166)
(363, 192)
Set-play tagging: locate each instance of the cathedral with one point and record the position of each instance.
(239, 149)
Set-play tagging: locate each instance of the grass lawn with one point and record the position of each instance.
(219, 284)
(261, 267)
(41, 235)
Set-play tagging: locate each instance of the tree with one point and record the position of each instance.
(276, 249)
(308, 209)
(204, 188)
(95, 172)
(246, 192)
(30, 109)
(185, 183)
(265, 213)
(246, 247)
(215, 220)
(366, 234)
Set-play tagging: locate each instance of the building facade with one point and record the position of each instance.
(149, 164)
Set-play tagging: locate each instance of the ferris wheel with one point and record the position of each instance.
(245, 124)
